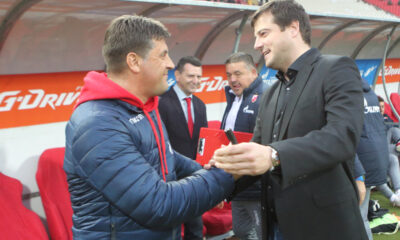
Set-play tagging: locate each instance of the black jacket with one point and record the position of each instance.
(312, 195)
(172, 115)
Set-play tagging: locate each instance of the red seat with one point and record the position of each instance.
(16, 221)
(53, 187)
(214, 124)
(218, 221)
(389, 112)
(395, 98)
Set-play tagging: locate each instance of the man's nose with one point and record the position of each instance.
(170, 64)
(257, 44)
(197, 81)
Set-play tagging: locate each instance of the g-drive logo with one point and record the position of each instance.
(37, 98)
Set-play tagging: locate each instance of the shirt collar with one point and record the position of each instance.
(296, 66)
(181, 95)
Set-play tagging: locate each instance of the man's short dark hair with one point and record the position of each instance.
(241, 57)
(284, 13)
(380, 99)
(188, 59)
(130, 33)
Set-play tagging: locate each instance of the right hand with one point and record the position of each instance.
(243, 159)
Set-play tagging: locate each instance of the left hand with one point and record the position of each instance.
(220, 205)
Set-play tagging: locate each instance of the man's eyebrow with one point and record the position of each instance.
(262, 29)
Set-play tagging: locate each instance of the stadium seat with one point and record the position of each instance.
(389, 112)
(16, 221)
(53, 187)
(395, 98)
(218, 222)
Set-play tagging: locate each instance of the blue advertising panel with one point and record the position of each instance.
(171, 78)
(268, 75)
(368, 68)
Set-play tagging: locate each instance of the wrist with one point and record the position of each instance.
(274, 158)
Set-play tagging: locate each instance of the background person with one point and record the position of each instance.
(372, 150)
(393, 138)
(183, 127)
(243, 96)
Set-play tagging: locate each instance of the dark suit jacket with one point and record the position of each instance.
(171, 113)
(312, 194)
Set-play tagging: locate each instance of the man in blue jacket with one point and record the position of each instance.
(372, 149)
(243, 97)
(121, 169)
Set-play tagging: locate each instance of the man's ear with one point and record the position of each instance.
(294, 28)
(254, 71)
(177, 75)
(134, 61)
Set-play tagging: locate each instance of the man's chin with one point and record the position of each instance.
(162, 90)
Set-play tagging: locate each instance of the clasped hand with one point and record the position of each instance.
(242, 159)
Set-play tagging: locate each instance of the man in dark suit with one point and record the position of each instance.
(183, 115)
(306, 133)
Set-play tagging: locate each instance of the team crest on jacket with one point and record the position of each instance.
(254, 98)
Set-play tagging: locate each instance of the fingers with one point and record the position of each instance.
(243, 168)
(220, 205)
(243, 159)
(207, 166)
(230, 149)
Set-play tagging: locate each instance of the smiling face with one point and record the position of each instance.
(240, 76)
(273, 43)
(155, 68)
(189, 79)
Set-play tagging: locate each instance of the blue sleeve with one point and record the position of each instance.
(108, 160)
(358, 167)
(185, 166)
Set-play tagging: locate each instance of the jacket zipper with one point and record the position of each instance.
(113, 236)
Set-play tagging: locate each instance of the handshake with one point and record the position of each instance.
(242, 159)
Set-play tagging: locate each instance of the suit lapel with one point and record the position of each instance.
(297, 89)
(269, 114)
(197, 113)
(179, 111)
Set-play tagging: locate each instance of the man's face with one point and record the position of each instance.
(273, 43)
(189, 79)
(382, 107)
(240, 76)
(155, 69)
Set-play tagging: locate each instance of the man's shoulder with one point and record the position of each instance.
(199, 101)
(333, 59)
(167, 96)
(169, 93)
(100, 114)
